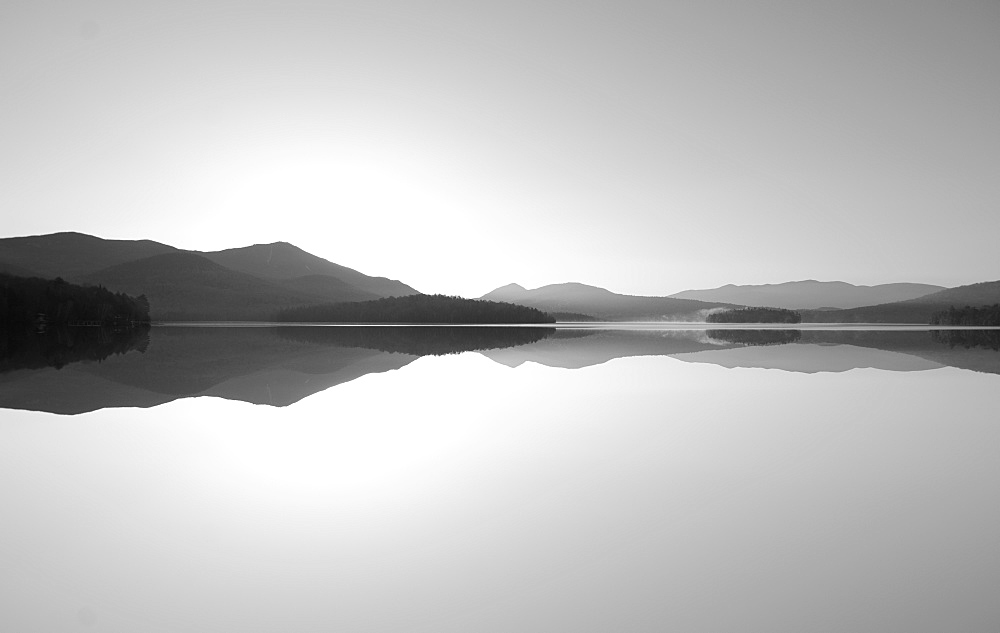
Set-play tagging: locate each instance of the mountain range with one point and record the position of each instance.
(589, 301)
(811, 294)
(254, 282)
(249, 283)
(919, 310)
(570, 300)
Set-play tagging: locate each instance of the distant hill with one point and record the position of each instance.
(603, 304)
(72, 255)
(918, 310)
(811, 294)
(980, 294)
(282, 260)
(509, 292)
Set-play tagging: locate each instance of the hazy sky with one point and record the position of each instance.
(647, 147)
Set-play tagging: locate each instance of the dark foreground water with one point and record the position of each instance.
(494, 479)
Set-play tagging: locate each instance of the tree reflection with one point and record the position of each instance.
(987, 339)
(755, 337)
(58, 347)
(419, 341)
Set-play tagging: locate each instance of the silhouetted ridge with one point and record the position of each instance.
(242, 284)
(282, 261)
(419, 341)
(74, 255)
(416, 309)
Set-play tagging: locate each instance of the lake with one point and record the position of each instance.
(651, 478)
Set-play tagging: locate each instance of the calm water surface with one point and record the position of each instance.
(685, 480)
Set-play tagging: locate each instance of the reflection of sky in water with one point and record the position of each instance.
(456, 494)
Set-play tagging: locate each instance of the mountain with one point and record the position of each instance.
(72, 255)
(811, 294)
(510, 292)
(237, 284)
(919, 310)
(282, 260)
(603, 304)
(328, 288)
(188, 287)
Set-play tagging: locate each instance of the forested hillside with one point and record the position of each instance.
(984, 316)
(26, 301)
(416, 309)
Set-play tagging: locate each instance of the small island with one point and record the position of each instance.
(439, 309)
(755, 315)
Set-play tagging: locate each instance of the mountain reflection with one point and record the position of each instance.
(807, 351)
(55, 372)
(80, 370)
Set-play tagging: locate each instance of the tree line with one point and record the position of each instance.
(416, 309)
(32, 301)
(983, 316)
(755, 315)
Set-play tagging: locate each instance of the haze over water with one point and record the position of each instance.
(586, 481)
